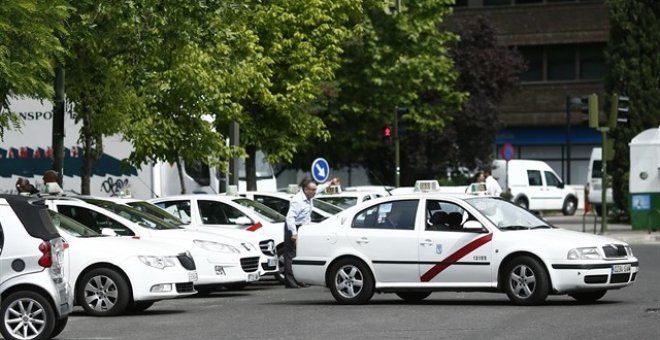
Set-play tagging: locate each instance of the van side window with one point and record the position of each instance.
(534, 177)
(550, 179)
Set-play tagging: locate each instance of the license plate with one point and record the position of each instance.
(272, 262)
(192, 276)
(620, 268)
(253, 277)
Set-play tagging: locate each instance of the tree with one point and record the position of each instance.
(29, 46)
(300, 42)
(633, 70)
(391, 59)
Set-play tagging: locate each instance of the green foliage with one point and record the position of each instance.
(633, 70)
(389, 60)
(29, 46)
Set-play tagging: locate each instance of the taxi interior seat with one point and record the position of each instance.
(438, 220)
(454, 220)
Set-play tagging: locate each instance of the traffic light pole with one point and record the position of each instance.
(604, 158)
(397, 165)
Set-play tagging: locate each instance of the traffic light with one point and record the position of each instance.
(622, 109)
(387, 134)
(402, 123)
(589, 109)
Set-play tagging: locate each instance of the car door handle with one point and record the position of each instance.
(426, 242)
(362, 240)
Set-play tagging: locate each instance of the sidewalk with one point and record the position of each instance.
(620, 231)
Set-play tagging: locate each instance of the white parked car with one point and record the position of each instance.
(280, 201)
(415, 244)
(220, 261)
(112, 274)
(213, 212)
(35, 296)
(347, 199)
(268, 259)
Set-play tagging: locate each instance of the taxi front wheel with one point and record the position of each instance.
(526, 281)
(351, 282)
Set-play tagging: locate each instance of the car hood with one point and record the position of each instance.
(123, 247)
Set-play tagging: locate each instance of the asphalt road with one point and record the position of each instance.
(267, 310)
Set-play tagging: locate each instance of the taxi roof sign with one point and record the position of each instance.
(426, 185)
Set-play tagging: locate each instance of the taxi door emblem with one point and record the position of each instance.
(438, 248)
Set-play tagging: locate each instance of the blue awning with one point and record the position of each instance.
(548, 136)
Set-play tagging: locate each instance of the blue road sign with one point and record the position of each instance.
(320, 170)
(507, 151)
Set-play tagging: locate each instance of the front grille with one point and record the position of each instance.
(595, 279)
(250, 264)
(620, 278)
(186, 287)
(614, 251)
(267, 247)
(186, 261)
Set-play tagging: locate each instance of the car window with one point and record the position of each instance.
(212, 212)
(94, 220)
(263, 211)
(280, 205)
(180, 209)
(399, 215)
(534, 177)
(343, 202)
(550, 179)
(72, 226)
(149, 208)
(445, 216)
(506, 215)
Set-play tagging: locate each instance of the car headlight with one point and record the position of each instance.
(629, 251)
(159, 262)
(216, 247)
(587, 253)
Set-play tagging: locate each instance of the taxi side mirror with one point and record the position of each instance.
(108, 232)
(472, 226)
(243, 220)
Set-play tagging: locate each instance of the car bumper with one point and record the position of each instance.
(571, 278)
(218, 271)
(159, 284)
(310, 271)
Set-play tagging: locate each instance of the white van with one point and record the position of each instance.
(595, 181)
(535, 186)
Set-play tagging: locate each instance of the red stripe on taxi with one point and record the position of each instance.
(254, 227)
(457, 255)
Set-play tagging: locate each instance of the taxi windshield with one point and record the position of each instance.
(134, 215)
(506, 215)
(343, 202)
(268, 214)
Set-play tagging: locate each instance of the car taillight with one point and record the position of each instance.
(254, 227)
(46, 260)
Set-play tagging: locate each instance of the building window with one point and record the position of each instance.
(592, 61)
(497, 2)
(534, 57)
(561, 62)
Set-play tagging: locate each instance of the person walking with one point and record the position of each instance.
(492, 187)
(24, 187)
(299, 214)
(50, 182)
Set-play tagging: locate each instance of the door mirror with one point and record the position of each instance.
(472, 226)
(108, 232)
(560, 185)
(243, 220)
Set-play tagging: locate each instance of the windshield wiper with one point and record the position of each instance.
(542, 226)
(514, 227)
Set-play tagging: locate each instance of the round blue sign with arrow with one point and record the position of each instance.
(320, 170)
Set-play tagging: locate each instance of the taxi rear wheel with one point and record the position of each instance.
(526, 281)
(351, 282)
(588, 297)
(26, 315)
(413, 296)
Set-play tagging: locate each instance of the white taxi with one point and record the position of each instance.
(415, 244)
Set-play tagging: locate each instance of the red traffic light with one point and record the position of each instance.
(387, 132)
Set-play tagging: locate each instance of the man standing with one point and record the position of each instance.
(300, 213)
(492, 187)
(50, 182)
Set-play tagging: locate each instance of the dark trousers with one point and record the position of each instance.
(289, 250)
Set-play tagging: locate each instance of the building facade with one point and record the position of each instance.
(563, 43)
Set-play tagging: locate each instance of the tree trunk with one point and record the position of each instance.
(88, 151)
(251, 168)
(180, 170)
